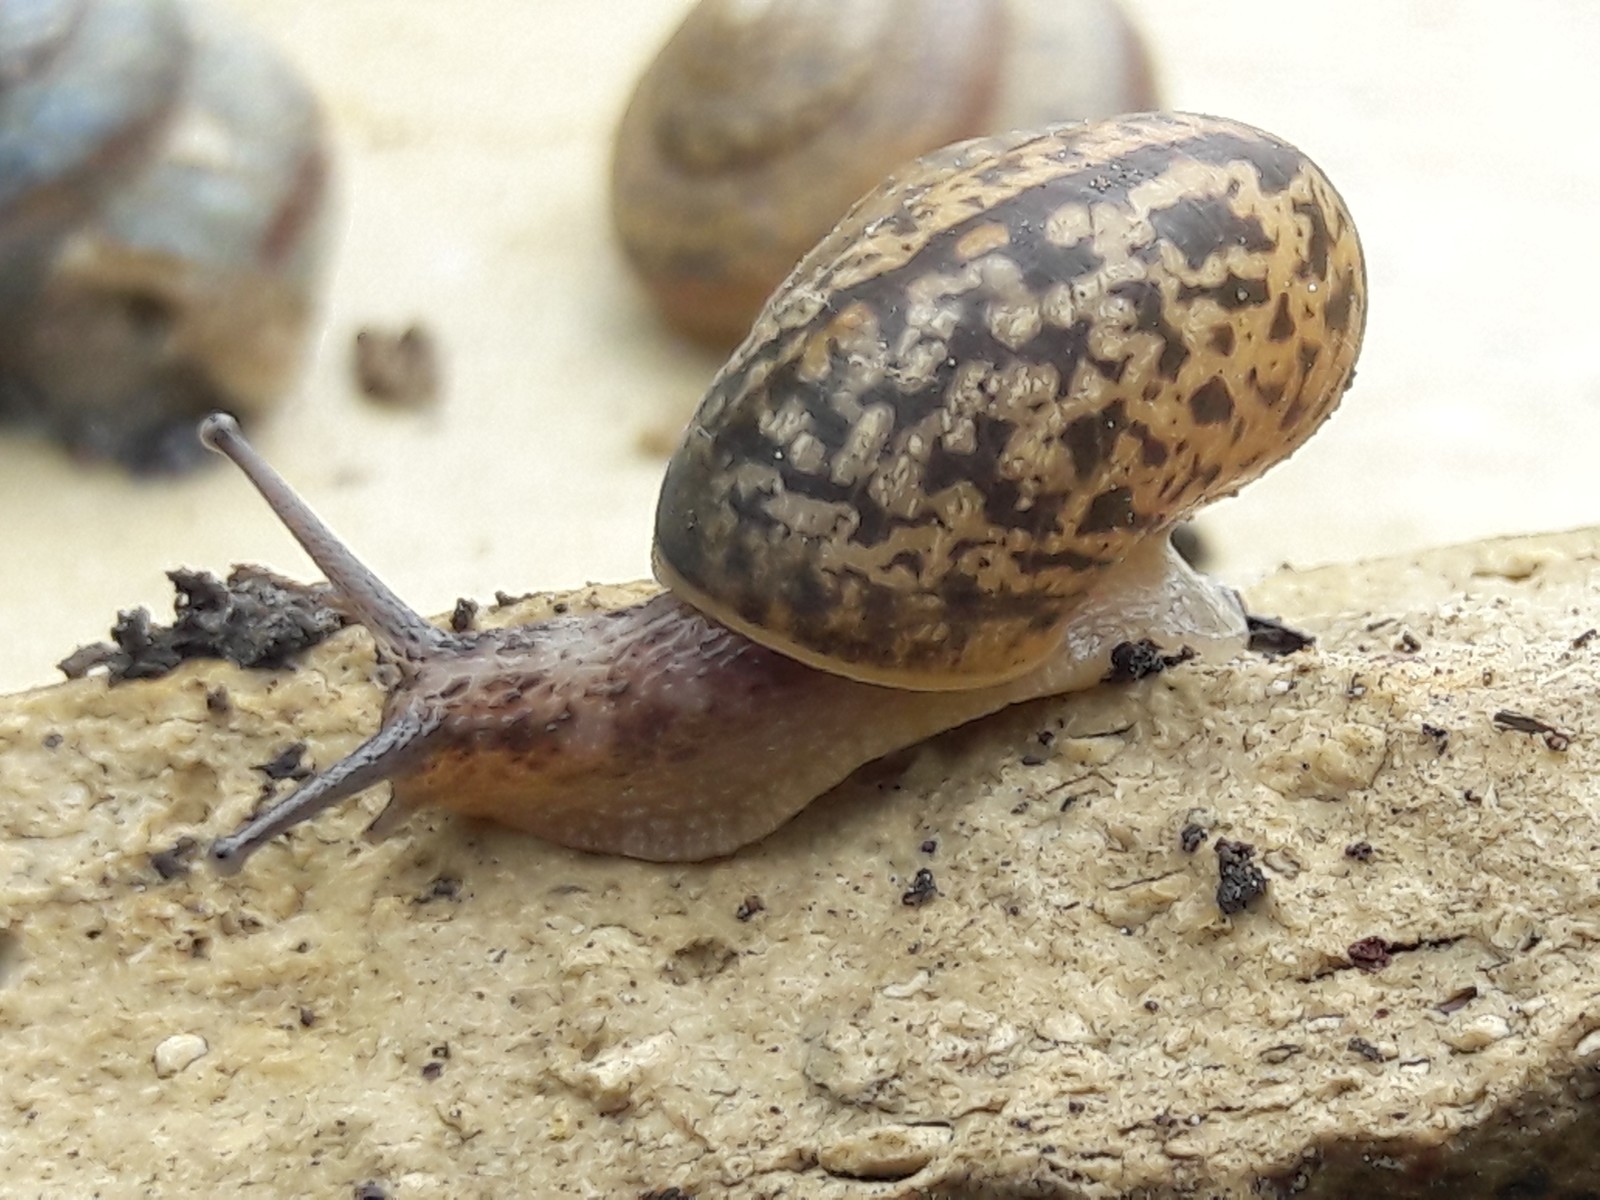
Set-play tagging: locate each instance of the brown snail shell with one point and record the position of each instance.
(1000, 371)
(758, 124)
(168, 223)
(936, 479)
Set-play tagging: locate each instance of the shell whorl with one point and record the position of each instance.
(1005, 368)
(84, 91)
(164, 221)
(761, 121)
(759, 124)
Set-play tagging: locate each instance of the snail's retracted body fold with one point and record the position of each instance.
(936, 479)
(1004, 368)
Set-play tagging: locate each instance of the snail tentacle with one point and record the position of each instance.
(396, 745)
(399, 628)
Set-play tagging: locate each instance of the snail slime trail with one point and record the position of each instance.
(937, 478)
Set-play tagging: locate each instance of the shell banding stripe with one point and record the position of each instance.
(1000, 373)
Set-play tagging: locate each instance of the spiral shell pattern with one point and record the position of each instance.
(760, 123)
(163, 218)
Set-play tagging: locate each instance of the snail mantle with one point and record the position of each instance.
(995, 965)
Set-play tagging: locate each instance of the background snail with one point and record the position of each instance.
(161, 222)
(759, 124)
(935, 480)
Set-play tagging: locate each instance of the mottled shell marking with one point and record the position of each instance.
(1002, 370)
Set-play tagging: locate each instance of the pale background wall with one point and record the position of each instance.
(473, 138)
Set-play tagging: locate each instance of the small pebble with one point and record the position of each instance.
(175, 1053)
(1472, 1036)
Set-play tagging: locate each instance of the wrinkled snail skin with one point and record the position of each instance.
(759, 124)
(937, 479)
(655, 733)
(188, 219)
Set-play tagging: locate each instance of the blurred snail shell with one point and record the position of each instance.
(936, 479)
(163, 228)
(761, 121)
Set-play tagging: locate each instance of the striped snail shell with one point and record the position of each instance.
(936, 479)
(162, 222)
(761, 121)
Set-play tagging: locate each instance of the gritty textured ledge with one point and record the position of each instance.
(1410, 1010)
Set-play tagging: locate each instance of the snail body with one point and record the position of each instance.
(758, 125)
(936, 479)
(166, 230)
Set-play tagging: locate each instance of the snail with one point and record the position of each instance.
(935, 480)
(761, 121)
(162, 222)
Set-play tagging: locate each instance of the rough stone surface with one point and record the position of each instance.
(1409, 1010)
